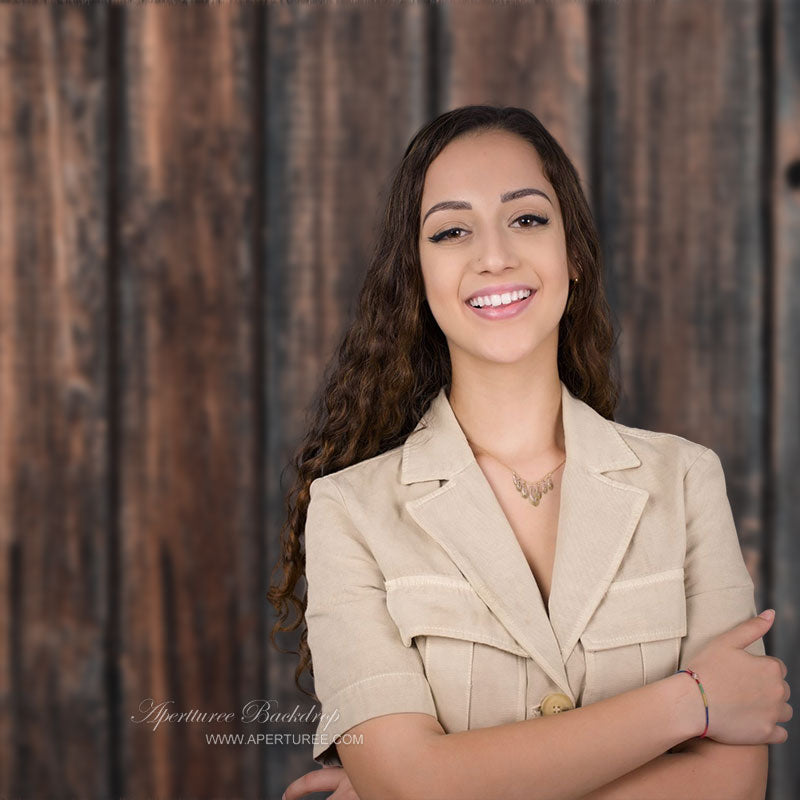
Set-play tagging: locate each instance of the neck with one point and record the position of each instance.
(517, 420)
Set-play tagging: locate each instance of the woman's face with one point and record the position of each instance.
(493, 244)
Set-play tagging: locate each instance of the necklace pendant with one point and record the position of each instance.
(533, 492)
(523, 487)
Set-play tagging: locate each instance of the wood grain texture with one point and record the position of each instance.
(191, 587)
(783, 205)
(678, 202)
(534, 55)
(188, 200)
(54, 512)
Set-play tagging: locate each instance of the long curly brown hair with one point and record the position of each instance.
(393, 357)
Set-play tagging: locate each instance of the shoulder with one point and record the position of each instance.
(662, 449)
(376, 475)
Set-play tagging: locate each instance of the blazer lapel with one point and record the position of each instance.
(597, 518)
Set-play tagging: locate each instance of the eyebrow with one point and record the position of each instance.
(504, 198)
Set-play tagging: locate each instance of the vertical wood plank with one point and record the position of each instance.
(54, 513)
(783, 23)
(346, 89)
(679, 195)
(533, 55)
(192, 591)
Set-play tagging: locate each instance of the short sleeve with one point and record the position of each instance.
(361, 667)
(719, 589)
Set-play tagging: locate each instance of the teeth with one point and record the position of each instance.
(499, 299)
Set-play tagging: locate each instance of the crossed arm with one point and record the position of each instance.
(702, 769)
(699, 768)
(620, 743)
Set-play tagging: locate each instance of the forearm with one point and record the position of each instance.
(704, 770)
(567, 755)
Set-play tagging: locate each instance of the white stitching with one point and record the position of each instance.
(748, 585)
(429, 580)
(647, 580)
(642, 649)
(470, 636)
(656, 635)
(470, 662)
(375, 677)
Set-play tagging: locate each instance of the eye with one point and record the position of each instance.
(444, 235)
(540, 219)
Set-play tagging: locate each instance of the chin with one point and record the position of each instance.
(502, 349)
(506, 355)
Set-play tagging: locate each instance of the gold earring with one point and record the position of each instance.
(574, 282)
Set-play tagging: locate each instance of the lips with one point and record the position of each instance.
(496, 300)
(502, 311)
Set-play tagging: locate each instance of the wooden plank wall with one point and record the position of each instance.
(188, 196)
(781, 198)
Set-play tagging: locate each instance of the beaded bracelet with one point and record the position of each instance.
(692, 674)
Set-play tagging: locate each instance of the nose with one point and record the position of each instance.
(494, 251)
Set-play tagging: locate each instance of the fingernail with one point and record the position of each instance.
(768, 614)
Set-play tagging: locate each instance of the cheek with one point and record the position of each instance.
(441, 290)
(442, 312)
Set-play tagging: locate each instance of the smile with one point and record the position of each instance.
(504, 299)
(501, 306)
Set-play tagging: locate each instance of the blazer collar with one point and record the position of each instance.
(438, 448)
(597, 517)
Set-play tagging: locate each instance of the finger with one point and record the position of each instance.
(745, 633)
(778, 736)
(319, 780)
(781, 665)
(344, 792)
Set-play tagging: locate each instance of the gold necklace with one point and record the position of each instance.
(530, 491)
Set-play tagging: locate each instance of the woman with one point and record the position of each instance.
(485, 548)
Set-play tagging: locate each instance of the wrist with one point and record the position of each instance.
(683, 696)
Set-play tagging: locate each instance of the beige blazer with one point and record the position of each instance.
(421, 599)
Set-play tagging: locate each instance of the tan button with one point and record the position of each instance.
(555, 704)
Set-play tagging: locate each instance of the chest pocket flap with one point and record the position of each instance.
(438, 605)
(637, 610)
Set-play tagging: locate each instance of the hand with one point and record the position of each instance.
(746, 694)
(327, 779)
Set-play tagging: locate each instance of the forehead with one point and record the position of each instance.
(483, 164)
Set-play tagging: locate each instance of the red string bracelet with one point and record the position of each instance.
(692, 674)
